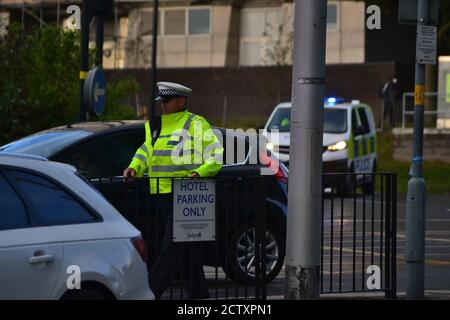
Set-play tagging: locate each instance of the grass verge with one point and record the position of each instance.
(436, 174)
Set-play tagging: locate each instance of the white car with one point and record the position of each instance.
(60, 239)
(349, 140)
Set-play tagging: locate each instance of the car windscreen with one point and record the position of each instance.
(45, 144)
(335, 120)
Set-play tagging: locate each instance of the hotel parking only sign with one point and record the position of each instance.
(194, 210)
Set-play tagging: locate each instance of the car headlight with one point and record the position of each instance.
(341, 145)
(270, 146)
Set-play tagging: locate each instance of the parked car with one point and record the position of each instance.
(349, 141)
(56, 231)
(104, 149)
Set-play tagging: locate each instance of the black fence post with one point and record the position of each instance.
(260, 235)
(391, 235)
(387, 243)
(394, 238)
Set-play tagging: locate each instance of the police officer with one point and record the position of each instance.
(178, 144)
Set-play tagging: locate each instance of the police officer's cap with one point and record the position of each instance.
(169, 90)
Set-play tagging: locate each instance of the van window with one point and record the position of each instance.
(334, 120)
(365, 127)
(355, 123)
(281, 120)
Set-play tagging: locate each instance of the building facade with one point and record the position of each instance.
(235, 33)
(210, 33)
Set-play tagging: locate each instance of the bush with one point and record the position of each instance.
(39, 82)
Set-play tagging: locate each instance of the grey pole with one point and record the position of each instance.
(415, 203)
(151, 112)
(41, 15)
(99, 35)
(84, 55)
(58, 12)
(305, 177)
(116, 33)
(23, 14)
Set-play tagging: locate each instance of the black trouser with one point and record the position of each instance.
(174, 258)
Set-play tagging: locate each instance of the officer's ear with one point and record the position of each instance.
(183, 102)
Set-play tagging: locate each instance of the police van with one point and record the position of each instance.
(349, 141)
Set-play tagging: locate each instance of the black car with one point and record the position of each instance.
(101, 151)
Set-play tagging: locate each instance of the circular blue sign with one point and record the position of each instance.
(94, 91)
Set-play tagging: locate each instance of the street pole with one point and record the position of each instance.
(99, 22)
(151, 111)
(58, 12)
(116, 33)
(415, 204)
(84, 56)
(305, 177)
(23, 14)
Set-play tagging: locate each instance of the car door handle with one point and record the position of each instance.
(45, 258)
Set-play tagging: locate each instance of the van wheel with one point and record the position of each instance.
(347, 185)
(369, 187)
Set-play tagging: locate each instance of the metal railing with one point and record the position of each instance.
(234, 263)
(359, 234)
(408, 108)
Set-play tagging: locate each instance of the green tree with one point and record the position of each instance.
(39, 82)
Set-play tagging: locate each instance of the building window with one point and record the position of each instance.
(147, 22)
(199, 21)
(332, 16)
(187, 21)
(175, 22)
(260, 31)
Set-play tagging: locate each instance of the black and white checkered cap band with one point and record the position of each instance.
(172, 92)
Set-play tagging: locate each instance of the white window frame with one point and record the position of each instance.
(186, 22)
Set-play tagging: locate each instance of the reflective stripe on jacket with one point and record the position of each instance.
(186, 144)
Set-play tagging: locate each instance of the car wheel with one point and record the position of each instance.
(369, 187)
(241, 258)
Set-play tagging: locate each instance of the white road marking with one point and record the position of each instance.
(427, 238)
(368, 201)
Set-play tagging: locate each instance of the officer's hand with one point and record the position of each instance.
(129, 172)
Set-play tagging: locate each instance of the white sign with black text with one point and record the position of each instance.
(194, 210)
(426, 44)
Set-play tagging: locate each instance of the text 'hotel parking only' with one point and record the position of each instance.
(194, 210)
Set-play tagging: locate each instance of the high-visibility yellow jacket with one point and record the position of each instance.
(186, 144)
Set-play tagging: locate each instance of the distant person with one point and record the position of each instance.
(388, 92)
